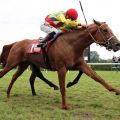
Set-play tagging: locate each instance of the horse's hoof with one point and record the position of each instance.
(65, 107)
(118, 93)
(34, 94)
(8, 96)
(56, 88)
(69, 84)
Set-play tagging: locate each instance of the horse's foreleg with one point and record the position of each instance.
(61, 76)
(88, 71)
(75, 81)
(19, 71)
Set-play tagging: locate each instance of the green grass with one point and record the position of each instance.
(88, 100)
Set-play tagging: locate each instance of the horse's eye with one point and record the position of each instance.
(105, 30)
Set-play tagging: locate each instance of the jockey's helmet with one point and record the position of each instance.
(72, 13)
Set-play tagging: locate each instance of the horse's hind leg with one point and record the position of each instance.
(12, 62)
(75, 81)
(5, 70)
(39, 74)
(32, 80)
(20, 70)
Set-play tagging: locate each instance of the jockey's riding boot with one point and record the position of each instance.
(57, 35)
(46, 39)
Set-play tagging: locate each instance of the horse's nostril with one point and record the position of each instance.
(118, 44)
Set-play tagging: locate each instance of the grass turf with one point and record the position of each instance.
(88, 100)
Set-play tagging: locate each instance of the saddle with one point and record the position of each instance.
(34, 49)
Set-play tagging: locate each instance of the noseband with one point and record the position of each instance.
(102, 33)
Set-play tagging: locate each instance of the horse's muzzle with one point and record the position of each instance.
(113, 45)
(117, 47)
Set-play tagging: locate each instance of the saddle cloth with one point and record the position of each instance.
(34, 49)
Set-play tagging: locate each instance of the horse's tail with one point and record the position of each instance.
(5, 52)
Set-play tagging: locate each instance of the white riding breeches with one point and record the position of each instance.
(47, 28)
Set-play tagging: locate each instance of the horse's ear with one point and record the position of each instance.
(96, 22)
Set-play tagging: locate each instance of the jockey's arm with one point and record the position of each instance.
(62, 18)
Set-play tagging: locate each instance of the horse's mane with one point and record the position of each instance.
(82, 28)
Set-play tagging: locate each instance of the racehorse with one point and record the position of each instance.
(35, 72)
(66, 53)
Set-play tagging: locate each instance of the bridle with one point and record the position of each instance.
(106, 41)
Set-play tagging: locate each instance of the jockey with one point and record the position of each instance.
(59, 22)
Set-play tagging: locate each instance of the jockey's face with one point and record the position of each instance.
(68, 17)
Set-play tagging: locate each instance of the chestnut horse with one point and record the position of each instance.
(66, 53)
(35, 72)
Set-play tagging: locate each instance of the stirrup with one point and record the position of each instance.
(40, 44)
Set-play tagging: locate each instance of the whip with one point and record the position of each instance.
(82, 11)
